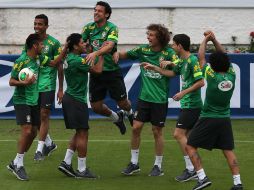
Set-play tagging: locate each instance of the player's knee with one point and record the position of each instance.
(157, 132)
(45, 114)
(124, 104)
(97, 108)
(177, 135)
(28, 132)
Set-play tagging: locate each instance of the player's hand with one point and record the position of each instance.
(209, 35)
(90, 58)
(164, 64)
(148, 66)
(59, 96)
(178, 96)
(116, 57)
(29, 80)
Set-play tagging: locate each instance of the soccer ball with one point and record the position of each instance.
(24, 73)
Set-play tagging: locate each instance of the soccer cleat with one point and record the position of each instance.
(237, 187)
(38, 156)
(131, 169)
(20, 172)
(66, 169)
(186, 176)
(156, 171)
(131, 118)
(47, 150)
(120, 123)
(85, 174)
(202, 184)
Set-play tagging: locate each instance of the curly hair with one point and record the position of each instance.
(219, 61)
(162, 33)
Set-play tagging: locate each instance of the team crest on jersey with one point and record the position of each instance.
(96, 43)
(161, 59)
(103, 34)
(225, 85)
(45, 49)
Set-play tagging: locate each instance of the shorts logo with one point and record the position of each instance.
(225, 85)
(28, 119)
(135, 114)
(122, 95)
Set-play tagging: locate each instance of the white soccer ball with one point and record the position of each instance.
(24, 73)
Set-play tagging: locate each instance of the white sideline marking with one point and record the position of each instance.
(111, 140)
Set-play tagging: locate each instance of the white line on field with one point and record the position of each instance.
(112, 140)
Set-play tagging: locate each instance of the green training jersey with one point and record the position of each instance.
(190, 72)
(27, 94)
(97, 36)
(47, 74)
(219, 91)
(76, 76)
(154, 86)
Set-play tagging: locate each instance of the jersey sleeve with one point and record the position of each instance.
(85, 33)
(197, 73)
(57, 49)
(81, 64)
(205, 69)
(44, 60)
(15, 69)
(113, 35)
(134, 53)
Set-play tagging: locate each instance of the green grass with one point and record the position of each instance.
(107, 157)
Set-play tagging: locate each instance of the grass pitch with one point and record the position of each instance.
(109, 153)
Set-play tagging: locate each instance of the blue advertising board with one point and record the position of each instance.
(242, 102)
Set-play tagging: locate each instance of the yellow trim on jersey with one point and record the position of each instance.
(197, 74)
(113, 37)
(45, 60)
(206, 69)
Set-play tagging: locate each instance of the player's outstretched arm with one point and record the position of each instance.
(198, 84)
(164, 72)
(59, 59)
(119, 55)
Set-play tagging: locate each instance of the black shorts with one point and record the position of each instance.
(210, 133)
(46, 99)
(187, 118)
(26, 114)
(75, 113)
(154, 112)
(108, 81)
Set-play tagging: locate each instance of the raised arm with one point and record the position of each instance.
(164, 72)
(202, 49)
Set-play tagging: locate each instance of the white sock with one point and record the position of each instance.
(68, 156)
(48, 140)
(158, 161)
(114, 116)
(19, 160)
(128, 112)
(134, 156)
(188, 163)
(81, 164)
(40, 146)
(237, 179)
(201, 174)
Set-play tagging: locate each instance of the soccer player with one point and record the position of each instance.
(47, 86)
(190, 95)
(25, 99)
(152, 103)
(75, 108)
(213, 129)
(100, 32)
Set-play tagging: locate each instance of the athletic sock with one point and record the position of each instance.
(134, 156)
(201, 174)
(48, 140)
(68, 156)
(237, 179)
(19, 160)
(40, 146)
(114, 116)
(158, 161)
(81, 164)
(188, 163)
